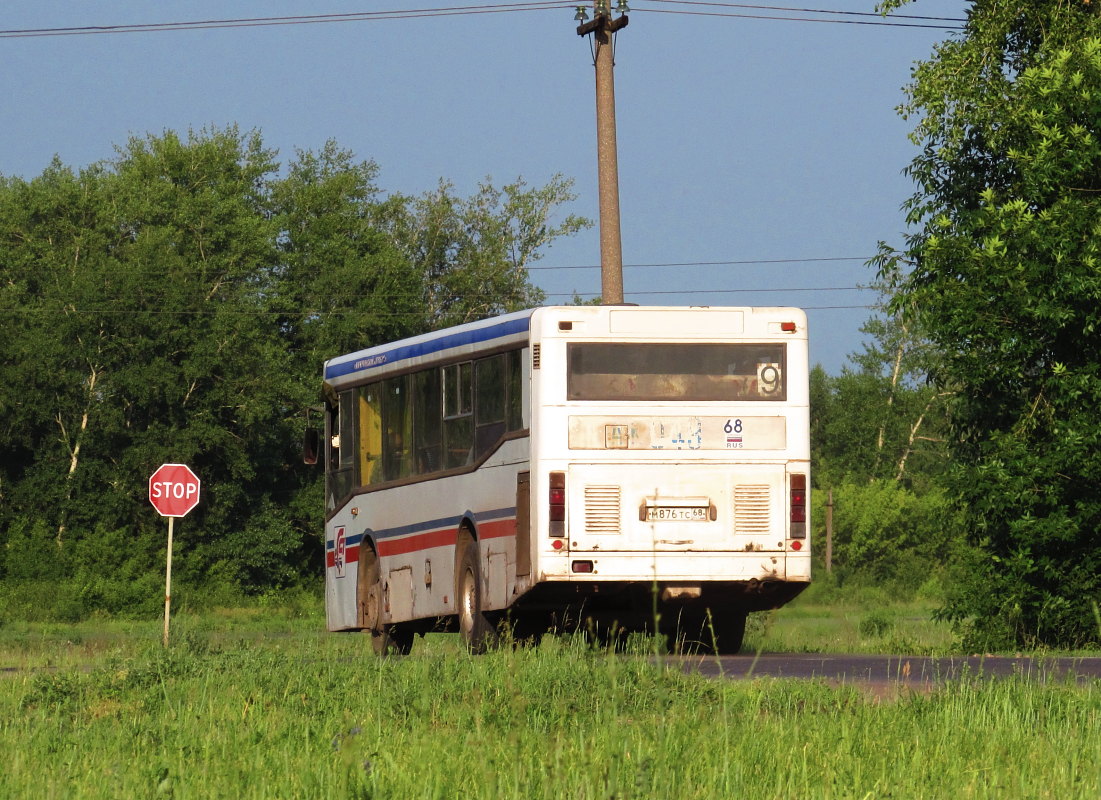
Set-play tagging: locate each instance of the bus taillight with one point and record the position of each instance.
(557, 504)
(798, 522)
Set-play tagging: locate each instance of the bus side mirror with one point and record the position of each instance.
(311, 445)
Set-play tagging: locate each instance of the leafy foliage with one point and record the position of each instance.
(878, 452)
(889, 534)
(1004, 276)
(880, 418)
(175, 304)
(472, 254)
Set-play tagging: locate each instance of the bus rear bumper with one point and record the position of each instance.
(624, 599)
(600, 567)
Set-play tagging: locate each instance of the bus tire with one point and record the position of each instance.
(392, 641)
(718, 631)
(475, 626)
(726, 631)
(386, 640)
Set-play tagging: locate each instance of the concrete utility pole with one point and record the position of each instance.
(603, 29)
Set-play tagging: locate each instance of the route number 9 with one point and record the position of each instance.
(768, 378)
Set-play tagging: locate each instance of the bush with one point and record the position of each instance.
(886, 534)
(267, 553)
(32, 552)
(41, 601)
(875, 624)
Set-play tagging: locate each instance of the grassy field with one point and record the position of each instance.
(863, 620)
(262, 704)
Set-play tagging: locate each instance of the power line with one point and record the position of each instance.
(648, 292)
(490, 8)
(786, 18)
(809, 19)
(327, 313)
(316, 312)
(302, 19)
(711, 263)
(808, 10)
(643, 293)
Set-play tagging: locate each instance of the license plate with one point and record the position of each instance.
(676, 514)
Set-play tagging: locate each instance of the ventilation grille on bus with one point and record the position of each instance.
(751, 509)
(602, 509)
(535, 356)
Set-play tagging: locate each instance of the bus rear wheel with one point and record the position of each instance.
(386, 639)
(720, 632)
(475, 626)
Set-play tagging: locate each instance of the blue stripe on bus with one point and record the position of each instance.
(429, 525)
(370, 358)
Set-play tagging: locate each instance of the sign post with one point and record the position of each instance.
(173, 491)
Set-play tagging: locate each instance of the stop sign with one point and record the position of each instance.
(173, 490)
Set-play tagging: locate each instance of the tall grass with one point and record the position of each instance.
(311, 715)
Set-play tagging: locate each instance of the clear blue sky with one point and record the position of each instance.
(740, 139)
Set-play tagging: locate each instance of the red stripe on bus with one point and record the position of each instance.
(420, 541)
(497, 528)
(351, 556)
(424, 541)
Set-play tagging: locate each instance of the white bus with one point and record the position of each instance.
(610, 467)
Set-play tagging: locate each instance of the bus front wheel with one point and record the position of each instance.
(475, 626)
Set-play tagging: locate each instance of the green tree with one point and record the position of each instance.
(139, 340)
(880, 418)
(341, 281)
(472, 254)
(1002, 271)
(54, 237)
(877, 446)
(176, 303)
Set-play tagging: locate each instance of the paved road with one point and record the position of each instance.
(913, 672)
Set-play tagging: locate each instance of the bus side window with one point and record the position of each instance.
(514, 390)
(342, 447)
(427, 421)
(370, 434)
(397, 453)
(332, 438)
(489, 402)
(332, 454)
(458, 417)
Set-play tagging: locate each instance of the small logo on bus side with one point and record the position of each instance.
(340, 554)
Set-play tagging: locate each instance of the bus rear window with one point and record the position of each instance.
(690, 372)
